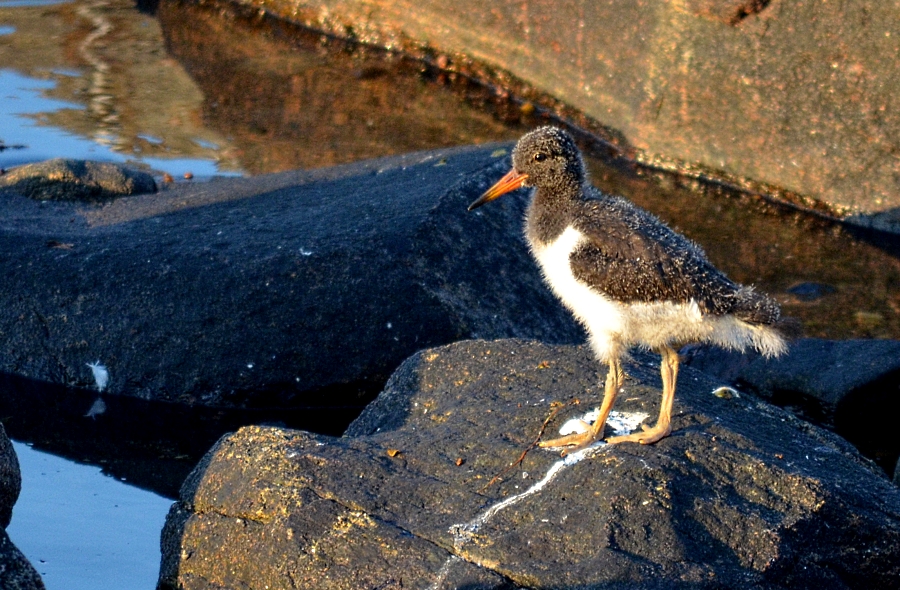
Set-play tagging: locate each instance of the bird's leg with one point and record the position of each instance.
(614, 378)
(669, 371)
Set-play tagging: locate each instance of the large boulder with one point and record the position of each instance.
(797, 95)
(16, 572)
(742, 495)
(294, 289)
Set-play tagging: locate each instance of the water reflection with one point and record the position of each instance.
(91, 80)
(152, 445)
(291, 98)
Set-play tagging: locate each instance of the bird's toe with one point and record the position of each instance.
(647, 437)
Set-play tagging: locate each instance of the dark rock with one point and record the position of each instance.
(729, 12)
(742, 495)
(63, 179)
(750, 88)
(294, 289)
(10, 478)
(824, 371)
(852, 386)
(16, 573)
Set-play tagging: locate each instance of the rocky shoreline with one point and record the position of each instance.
(279, 307)
(314, 289)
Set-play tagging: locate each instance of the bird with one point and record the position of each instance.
(627, 277)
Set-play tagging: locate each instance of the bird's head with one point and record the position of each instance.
(544, 158)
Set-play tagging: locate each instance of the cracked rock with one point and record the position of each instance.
(742, 495)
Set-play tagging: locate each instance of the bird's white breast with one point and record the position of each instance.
(601, 316)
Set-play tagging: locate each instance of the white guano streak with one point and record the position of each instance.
(621, 422)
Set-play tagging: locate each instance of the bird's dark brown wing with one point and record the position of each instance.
(633, 257)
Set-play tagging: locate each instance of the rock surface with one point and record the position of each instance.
(851, 386)
(10, 478)
(793, 94)
(63, 179)
(742, 495)
(295, 289)
(823, 371)
(16, 572)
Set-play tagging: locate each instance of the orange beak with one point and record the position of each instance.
(510, 182)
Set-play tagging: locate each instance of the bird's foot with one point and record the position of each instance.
(647, 437)
(573, 442)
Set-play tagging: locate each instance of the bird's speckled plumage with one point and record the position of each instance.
(628, 254)
(625, 275)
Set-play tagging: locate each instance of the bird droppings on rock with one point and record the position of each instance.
(467, 532)
(620, 422)
(726, 392)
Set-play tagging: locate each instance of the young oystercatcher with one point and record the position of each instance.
(626, 276)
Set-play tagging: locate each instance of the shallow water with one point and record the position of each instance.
(83, 530)
(181, 90)
(92, 80)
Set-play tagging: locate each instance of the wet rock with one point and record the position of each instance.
(742, 495)
(289, 290)
(749, 88)
(852, 386)
(64, 179)
(16, 573)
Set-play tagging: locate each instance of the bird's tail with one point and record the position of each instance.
(769, 331)
(755, 308)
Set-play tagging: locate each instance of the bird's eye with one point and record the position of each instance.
(540, 157)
